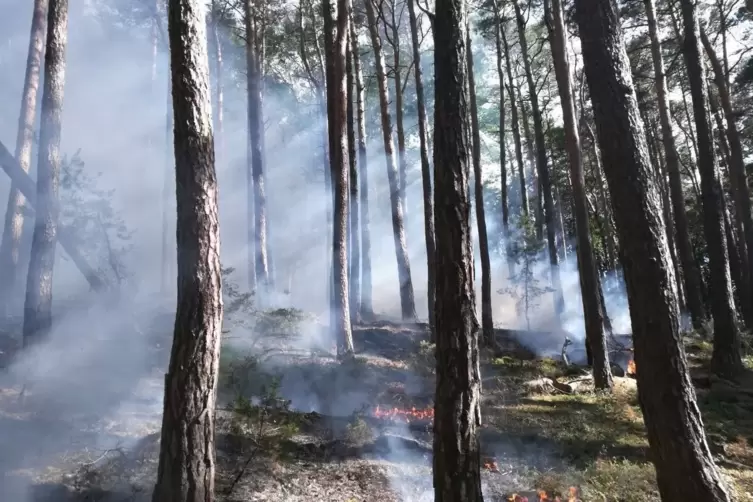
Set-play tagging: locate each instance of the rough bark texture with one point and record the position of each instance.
(407, 301)
(14, 213)
(487, 320)
(187, 450)
(515, 124)
(737, 163)
(727, 356)
(589, 282)
(684, 465)
(690, 272)
(423, 134)
(542, 167)
(354, 234)
(38, 304)
(367, 311)
(336, 49)
(256, 131)
(457, 413)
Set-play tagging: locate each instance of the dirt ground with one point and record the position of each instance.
(319, 437)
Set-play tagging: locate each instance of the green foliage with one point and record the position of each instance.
(424, 361)
(87, 210)
(358, 431)
(526, 288)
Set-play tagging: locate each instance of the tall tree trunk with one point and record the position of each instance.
(407, 301)
(737, 164)
(187, 449)
(38, 304)
(399, 121)
(487, 321)
(690, 272)
(542, 167)
(685, 468)
(336, 28)
(457, 413)
(515, 123)
(354, 253)
(727, 357)
(425, 165)
(538, 208)
(498, 29)
(14, 213)
(256, 131)
(367, 311)
(589, 281)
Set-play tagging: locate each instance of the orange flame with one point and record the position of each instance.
(631, 367)
(404, 415)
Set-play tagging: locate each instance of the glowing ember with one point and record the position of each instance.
(404, 415)
(631, 367)
(491, 465)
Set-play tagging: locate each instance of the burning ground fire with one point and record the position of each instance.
(542, 496)
(631, 367)
(404, 415)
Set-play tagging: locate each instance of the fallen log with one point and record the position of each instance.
(26, 185)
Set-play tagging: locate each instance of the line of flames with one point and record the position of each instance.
(572, 496)
(404, 415)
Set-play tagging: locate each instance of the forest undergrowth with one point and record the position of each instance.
(296, 425)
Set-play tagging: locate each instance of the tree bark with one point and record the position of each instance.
(684, 465)
(423, 134)
(726, 359)
(515, 123)
(399, 115)
(367, 311)
(487, 320)
(737, 163)
(38, 304)
(457, 413)
(256, 132)
(354, 233)
(187, 450)
(336, 47)
(690, 272)
(542, 167)
(589, 281)
(14, 213)
(407, 301)
(504, 202)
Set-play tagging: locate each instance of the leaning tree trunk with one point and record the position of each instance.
(187, 448)
(684, 465)
(38, 304)
(690, 272)
(457, 416)
(407, 301)
(515, 124)
(589, 281)
(737, 164)
(14, 213)
(487, 321)
(425, 165)
(542, 167)
(367, 311)
(727, 357)
(255, 132)
(354, 234)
